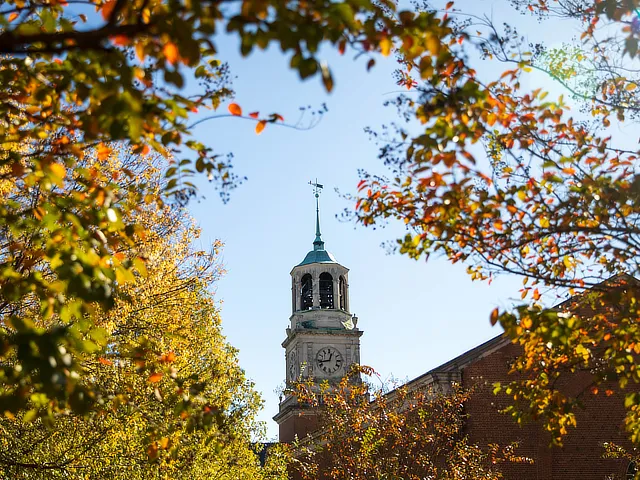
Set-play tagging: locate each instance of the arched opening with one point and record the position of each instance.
(326, 290)
(343, 293)
(631, 471)
(294, 294)
(306, 293)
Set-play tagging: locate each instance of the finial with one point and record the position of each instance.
(318, 244)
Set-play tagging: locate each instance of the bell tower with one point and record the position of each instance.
(323, 339)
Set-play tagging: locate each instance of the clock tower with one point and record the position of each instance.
(323, 339)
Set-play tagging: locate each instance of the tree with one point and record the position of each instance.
(555, 201)
(408, 434)
(163, 331)
(74, 81)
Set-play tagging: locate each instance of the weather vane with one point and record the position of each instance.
(317, 188)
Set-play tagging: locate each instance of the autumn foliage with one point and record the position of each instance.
(173, 401)
(506, 179)
(404, 433)
(82, 81)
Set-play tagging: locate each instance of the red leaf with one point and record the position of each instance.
(254, 114)
(342, 46)
(120, 40)
(234, 109)
(107, 8)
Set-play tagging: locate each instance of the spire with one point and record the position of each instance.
(318, 244)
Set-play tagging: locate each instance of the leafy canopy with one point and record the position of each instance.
(166, 374)
(507, 179)
(78, 76)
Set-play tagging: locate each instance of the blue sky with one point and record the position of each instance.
(415, 315)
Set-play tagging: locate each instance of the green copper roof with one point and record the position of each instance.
(318, 256)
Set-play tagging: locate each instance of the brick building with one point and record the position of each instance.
(581, 456)
(323, 340)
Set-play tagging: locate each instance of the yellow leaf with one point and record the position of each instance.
(544, 222)
(631, 86)
(58, 170)
(385, 46)
(433, 45)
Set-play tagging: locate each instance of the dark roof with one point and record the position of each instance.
(461, 361)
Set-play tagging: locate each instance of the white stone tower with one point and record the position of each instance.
(323, 339)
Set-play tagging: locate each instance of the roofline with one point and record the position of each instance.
(499, 341)
(463, 359)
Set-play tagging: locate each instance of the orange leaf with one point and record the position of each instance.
(104, 361)
(234, 109)
(254, 114)
(495, 314)
(152, 451)
(107, 8)
(171, 52)
(120, 40)
(13, 16)
(168, 357)
(260, 126)
(103, 152)
(155, 377)
(448, 6)
(536, 294)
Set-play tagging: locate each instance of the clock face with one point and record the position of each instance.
(329, 360)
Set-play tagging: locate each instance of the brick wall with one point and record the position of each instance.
(581, 457)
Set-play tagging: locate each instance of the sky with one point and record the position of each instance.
(415, 315)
